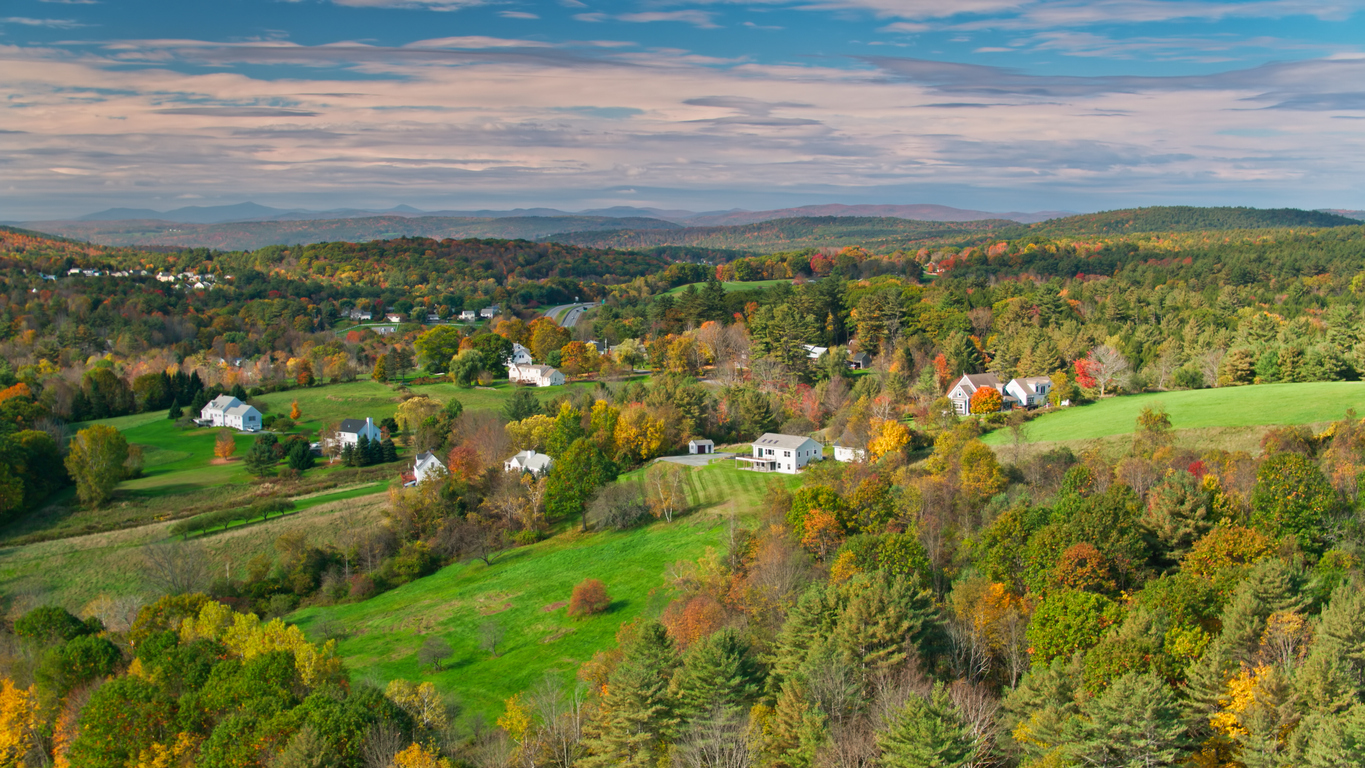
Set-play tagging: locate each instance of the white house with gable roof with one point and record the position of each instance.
(536, 375)
(520, 355)
(787, 454)
(529, 461)
(1030, 391)
(961, 392)
(228, 411)
(351, 430)
(426, 465)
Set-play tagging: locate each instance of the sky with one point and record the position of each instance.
(998, 105)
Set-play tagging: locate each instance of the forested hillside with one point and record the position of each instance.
(1184, 218)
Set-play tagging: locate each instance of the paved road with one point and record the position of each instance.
(571, 313)
(699, 460)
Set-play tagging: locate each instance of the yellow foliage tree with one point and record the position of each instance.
(247, 637)
(981, 475)
(639, 434)
(888, 436)
(171, 755)
(294, 411)
(531, 433)
(418, 756)
(18, 721)
(422, 703)
(414, 411)
(516, 720)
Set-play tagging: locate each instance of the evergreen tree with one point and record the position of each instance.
(636, 714)
(927, 731)
(522, 404)
(363, 452)
(797, 729)
(884, 620)
(574, 477)
(389, 453)
(176, 411)
(717, 675)
(1179, 513)
(300, 456)
(568, 427)
(812, 618)
(1330, 740)
(260, 460)
(348, 456)
(1136, 721)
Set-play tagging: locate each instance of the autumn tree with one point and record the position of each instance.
(305, 377)
(1293, 497)
(224, 446)
(589, 598)
(986, 400)
(1105, 366)
(665, 490)
(888, 436)
(295, 413)
(381, 369)
(437, 346)
(96, 462)
(821, 534)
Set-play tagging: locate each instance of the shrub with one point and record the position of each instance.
(50, 623)
(362, 586)
(618, 506)
(589, 598)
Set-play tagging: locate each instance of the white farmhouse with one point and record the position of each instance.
(529, 461)
(961, 392)
(468, 316)
(535, 375)
(426, 465)
(351, 430)
(1030, 391)
(520, 355)
(813, 352)
(228, 411)
(489, 312)
(787, 454)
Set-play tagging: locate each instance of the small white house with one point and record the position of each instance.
(787, 454)
(961, 392)
(468, 316)
(1030, 391)
(228, 411)
(813, 352)
(393, 317)
(845, 450)
(520, 355)
(529, 461)
(489, 312)
(351, 430)
(426, 465)
(701, 446)
(535, 375)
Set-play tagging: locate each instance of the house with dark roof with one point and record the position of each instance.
(351, 430)
(859, 361)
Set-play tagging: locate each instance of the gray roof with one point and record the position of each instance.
(976, 381)
(1031, 383)
(774, 440)
(352, 426)
(241, 409)
(702, 441)
(223, 402)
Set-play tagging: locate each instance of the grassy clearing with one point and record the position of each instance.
(1230, 416)
(72, 571)
(751, 285)
(523, 593)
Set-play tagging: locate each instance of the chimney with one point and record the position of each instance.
(369, 425)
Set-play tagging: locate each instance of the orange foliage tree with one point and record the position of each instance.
(688, 621)
(589, 598)
(18, 390)
(224, 446)
(987, 400)
(822, 533)
(294, 412)
(464, 462)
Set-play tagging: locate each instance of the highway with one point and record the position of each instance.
(570, 312)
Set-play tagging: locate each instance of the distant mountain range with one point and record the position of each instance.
(883, 228)
(221, 214)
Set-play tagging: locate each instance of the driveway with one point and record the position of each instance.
(698, 460)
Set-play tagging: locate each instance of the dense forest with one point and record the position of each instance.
(941, 602)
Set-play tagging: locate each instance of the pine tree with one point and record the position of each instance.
(522, 404)
(389, 451)
(927, 731)
(381, 369)
(176, 411)
(1136, 721)
(301, 456)
(797, 729)
(813, 618)
(885, 619)
(636, 713)
(1330, 740)
(348, 456)
(260, 460)
(717, 675)
(363, 452)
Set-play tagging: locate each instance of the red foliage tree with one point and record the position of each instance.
(690, 620)
(987, 400)
(1084, 376)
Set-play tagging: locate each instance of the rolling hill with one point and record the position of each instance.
(1181, 218)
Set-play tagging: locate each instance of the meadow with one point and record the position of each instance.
(1231, 417)
(752, 285)
(525, 592)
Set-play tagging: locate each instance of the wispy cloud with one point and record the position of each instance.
(50, 23)
(517, 15)
(699, 19)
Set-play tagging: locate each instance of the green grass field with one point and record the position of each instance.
(525, 592)
(751, 285)
(1225, 409)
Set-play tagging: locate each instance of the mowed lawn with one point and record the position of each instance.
(525, 593)
(751, 285)
(1248, 406)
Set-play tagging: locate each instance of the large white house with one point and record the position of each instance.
(961, 392)
(529, 461)
(469, 316)
(787, 454)
(535, 375)
(426, 465)
(520, 355)
(1030, 391)
(351, 430)
(228, 411)
(489, 312)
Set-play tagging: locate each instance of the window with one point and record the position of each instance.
(787, 454)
